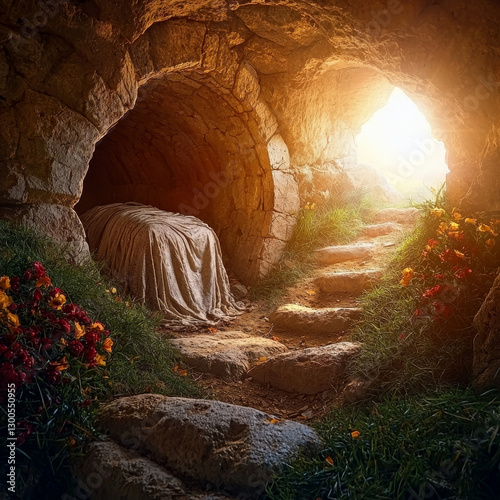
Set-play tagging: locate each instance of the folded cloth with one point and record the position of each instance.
(171, 262)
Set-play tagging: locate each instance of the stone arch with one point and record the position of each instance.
(66, 82)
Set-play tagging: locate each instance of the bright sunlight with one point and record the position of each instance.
(398, 140)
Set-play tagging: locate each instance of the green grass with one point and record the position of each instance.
(141, 360)
(435, 446)
(336, 222)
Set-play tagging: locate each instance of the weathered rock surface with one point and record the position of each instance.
(381, 229)
(487, 341)
(353, 281)
(398, 215)
(294, 317)
(234, 447)
(228, 355)
(307, 371)
(344, 253)
(110, 471)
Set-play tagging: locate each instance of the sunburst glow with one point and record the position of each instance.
(398, 140)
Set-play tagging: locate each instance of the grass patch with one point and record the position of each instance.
(420, 335)
(141, 360)
(336, 222)
(435, 446)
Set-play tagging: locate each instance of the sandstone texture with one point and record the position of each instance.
(228, 355)
(487, 341)
(110, 471)
(298, 318)
(344, 253)
(234, 447)
(236, 112)
(307, 371)
(352, 281)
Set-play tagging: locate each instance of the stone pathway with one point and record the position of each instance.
(175, 448)
(322, 310)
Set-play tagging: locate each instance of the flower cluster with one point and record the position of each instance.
(450, 262)
(44, 337)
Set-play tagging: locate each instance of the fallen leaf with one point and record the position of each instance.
(329, 460)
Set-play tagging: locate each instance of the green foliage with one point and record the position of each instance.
(141, 361)
(338, 221)
(420, 335)
(438, 445)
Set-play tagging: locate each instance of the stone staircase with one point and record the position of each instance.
(343, 273)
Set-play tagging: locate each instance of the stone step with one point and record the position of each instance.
(349, 281)
(228, 355)
(293, 317)
(398, 215)
(382, 229)
(344, 253)
(307, 371)
(130, 475)
(236, 448)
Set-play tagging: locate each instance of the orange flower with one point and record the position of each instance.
(437, 212)
(97, 325)
(100, 359)
(108, 344)
(471, 221)
(408, 274)
(355, 434)
(43, 281)
(79, 331)
(13, 321)
(57, 302)
(61, 365)
(5, 300)
(491, 242)
(457, 216)
(4, 282)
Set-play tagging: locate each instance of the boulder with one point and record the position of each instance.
(307, 371)
(294, 317)
(344, 253)
(352, 281)
(486, 363)
(233, 447)
(228, 355)
(110, 471)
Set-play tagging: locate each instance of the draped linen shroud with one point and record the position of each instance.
(172, 262)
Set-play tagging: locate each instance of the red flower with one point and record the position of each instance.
(53, 376)
(55, 292)
(7, 375)
(462, 273)
(86, 403)
(452, 256)
(27, 275)
(433, 243)
(90, 354)
(444, 311)
(61, 327)
(432, 292)
(46, 343)
(23, 436)
(15, 283)
(39, 270)
(92, 338)
(76, 348)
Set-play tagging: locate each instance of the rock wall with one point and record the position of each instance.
(257, 92)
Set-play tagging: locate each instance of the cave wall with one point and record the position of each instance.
(293, 82)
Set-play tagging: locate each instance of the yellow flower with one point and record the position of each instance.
(108, 344)
(355, 434)
(442, 228)
(491, 242)
(408, 274)
(486, 229)
(4, 282)
(437, 212)
(57, 302)
(471, 221)
(13, 320)
(97, 325)
(43, 281)
(5, 300)
(100, 359)
(79, 331)
(61, 365)
(460, 255)
(454, 226)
